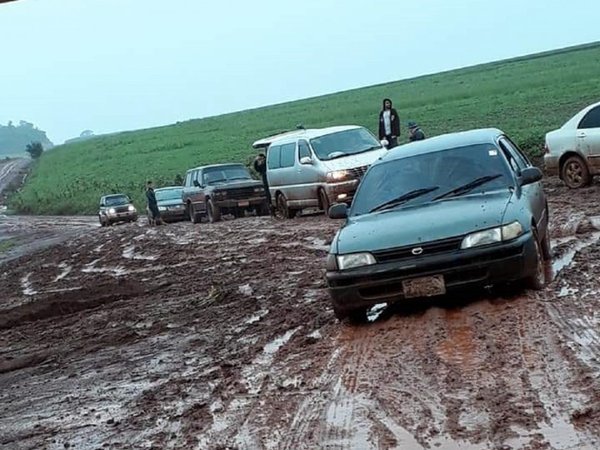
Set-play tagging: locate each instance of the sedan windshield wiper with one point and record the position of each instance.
(468, 187)
(404, 198)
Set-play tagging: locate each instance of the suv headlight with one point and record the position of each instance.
(493, 235)
(259, 189)
(338, 175)
(131, 208)
(355, 260)
(220, 194)
(112, 210)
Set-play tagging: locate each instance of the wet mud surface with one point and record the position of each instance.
(221, 337)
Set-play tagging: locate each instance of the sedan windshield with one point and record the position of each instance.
(432, 177)
(116, 200)
(217, 175)
(168, 194)
(343, 143)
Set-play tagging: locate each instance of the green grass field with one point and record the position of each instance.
(526, 97)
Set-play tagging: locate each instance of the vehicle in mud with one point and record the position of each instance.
(211, 191)
(170, 204)
(116, 208)
(314, 168)
(573, 151)
(452, 211)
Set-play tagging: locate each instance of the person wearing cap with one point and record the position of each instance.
(389, 124)
(414, 132)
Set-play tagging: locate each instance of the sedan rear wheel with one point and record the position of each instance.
(575, 173)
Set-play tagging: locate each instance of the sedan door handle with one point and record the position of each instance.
(581, 135)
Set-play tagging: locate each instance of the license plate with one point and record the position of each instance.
(424, 287)
(243, 204)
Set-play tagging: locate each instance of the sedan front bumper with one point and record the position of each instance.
(382, 283)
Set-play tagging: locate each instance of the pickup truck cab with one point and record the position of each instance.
(214, 190)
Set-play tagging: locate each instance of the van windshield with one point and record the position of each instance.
(343, 143)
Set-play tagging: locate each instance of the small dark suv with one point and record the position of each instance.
(211, 191)
(116, 208)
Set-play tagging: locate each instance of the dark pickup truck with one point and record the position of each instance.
(211, 191)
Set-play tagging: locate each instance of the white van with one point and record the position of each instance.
(318, 167)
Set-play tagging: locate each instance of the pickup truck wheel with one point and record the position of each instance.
(191, 212)
(575, 173)
(214, 212)
(324, 200)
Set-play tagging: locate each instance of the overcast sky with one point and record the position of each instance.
(111, 65)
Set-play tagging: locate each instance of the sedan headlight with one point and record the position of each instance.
(131, 208)
(493, 235)
(112, 210)
(338, 175)
(355, 260)
(162, 208)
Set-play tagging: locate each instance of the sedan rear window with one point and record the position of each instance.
(428, 176)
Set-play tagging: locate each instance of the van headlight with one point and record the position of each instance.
(493, 235)
(337, 175)
(354, 260)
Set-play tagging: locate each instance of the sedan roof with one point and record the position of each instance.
(444, 142)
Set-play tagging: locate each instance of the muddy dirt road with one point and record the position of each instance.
(221, 336)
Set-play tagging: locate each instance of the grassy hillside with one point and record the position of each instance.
(526, 97)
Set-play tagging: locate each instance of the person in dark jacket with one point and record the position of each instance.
(260, 165)
(389, 124)
(155, 218)
(414, 132)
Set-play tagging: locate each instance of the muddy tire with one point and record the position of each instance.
(283, 210)
(575, 173)
(191, 212)
(324, 201)
(537, 281)
(214, 212)
(102, 223)
(546, 247)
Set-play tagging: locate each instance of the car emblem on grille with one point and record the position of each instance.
(417, 251)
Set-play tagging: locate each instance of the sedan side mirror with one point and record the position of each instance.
(530, 175)
(338, 211)
(306, 160)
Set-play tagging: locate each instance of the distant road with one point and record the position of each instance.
(9, 170)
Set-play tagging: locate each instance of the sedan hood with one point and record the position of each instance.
(352, 161)
(173, 202)
(423, 223)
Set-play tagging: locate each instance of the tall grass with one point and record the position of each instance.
(526, 97)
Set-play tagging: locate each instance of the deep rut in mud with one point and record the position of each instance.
(221, 336)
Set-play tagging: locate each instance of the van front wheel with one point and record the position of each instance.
(324, 201)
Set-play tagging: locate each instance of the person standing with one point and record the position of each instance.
(260, 165)
(154, 215)
(389, 124)
(415, 132)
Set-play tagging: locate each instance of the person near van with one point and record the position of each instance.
(153, 205)
(389, 124)
(414, 132)
(260, 166)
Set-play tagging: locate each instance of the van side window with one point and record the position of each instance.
(591, 119)
(274, 157)
(288, 155)
(303, 150)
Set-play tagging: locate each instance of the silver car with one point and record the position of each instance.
(318, 167)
